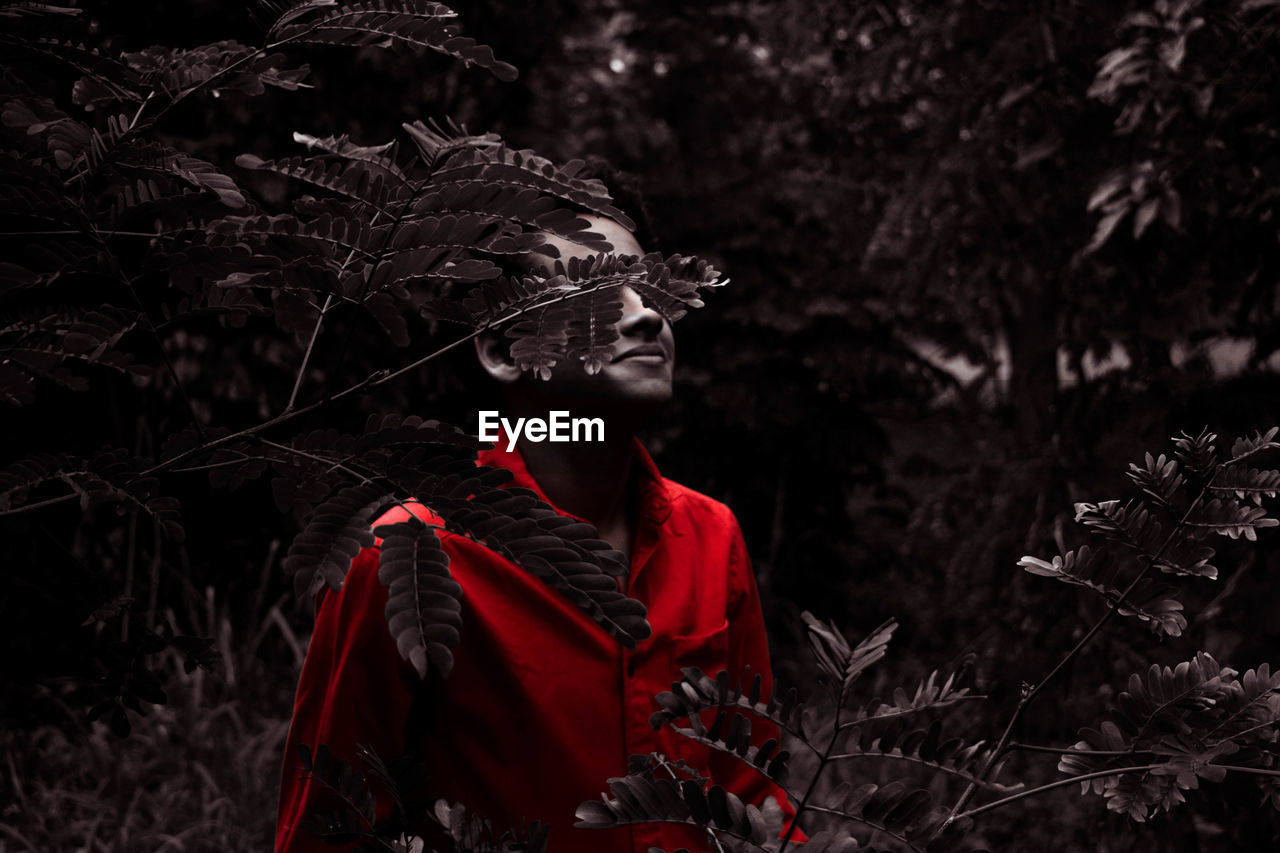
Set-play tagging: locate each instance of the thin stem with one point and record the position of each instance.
(333, 466)
(1066, 750)
(138, 115)
(40, 504)
(370, 382)
(1253, 771)
(227, 463)
(306, 356)
(1061, 783)
(823, 760)
(902, 712)
(913, 759)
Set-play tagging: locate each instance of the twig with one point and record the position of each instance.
(1067, 750)
(306, 356)
(1061, 783)
(40, 504)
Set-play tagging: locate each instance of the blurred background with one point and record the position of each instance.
(984, 254)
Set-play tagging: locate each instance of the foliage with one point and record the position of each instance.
(122, 249)
(1171, 730)
(921, 175)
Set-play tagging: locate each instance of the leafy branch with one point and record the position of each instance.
(1171, 729)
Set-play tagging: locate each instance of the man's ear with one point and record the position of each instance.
(494, 354)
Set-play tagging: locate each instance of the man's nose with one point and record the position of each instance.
(637, 317)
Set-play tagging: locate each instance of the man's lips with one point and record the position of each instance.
(649, 351)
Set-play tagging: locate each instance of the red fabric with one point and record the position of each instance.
(543, 706)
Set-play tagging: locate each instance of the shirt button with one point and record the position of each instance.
(631, 668)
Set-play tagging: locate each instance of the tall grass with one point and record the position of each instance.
(200, 773)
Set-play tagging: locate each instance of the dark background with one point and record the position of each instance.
(930, 350)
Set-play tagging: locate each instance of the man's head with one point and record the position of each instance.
(635, 384)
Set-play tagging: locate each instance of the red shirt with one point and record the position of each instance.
(542, 706)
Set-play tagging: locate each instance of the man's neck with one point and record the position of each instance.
(591, 479)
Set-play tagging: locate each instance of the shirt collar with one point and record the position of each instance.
(653, 499)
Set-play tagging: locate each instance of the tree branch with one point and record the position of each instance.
(1029, 694)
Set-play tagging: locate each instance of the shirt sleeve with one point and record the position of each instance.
(354, 689)
(749, 645)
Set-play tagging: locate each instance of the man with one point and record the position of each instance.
(543, 706)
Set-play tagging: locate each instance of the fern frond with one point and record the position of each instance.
(1170, 699)
(1247, 446)
(540, 340)
(410, 22)
(892, 739)
(1198, 453)
(1228, 518)
(674, 284)
(381, 157)
(442, 475)
(111, 477)
(351, 179)
(144, 199)
(1159, 478)
(434, 141)
(730, 732)
(104, 79)
(435, 249)
(1251, 705)
(506, 297)
(932, 693)
(323, 551)
(697, 692)
(148, 159)
(175, 72)
(530, 208)
(1131, 524)
(562, 553)
(592, 327)
(641, 798)
(42, 343)
(1250, 483)
(907, 814)
(1187, 718)
(527, 171)
(841, 663)
(354, 235)
(577, 309)
(434, 246)
(306, 276)
(1095, 570)
(424, 607)
(670, 285)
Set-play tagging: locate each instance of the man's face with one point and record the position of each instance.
(644, 354)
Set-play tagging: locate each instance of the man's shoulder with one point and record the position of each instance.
(694, 504)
